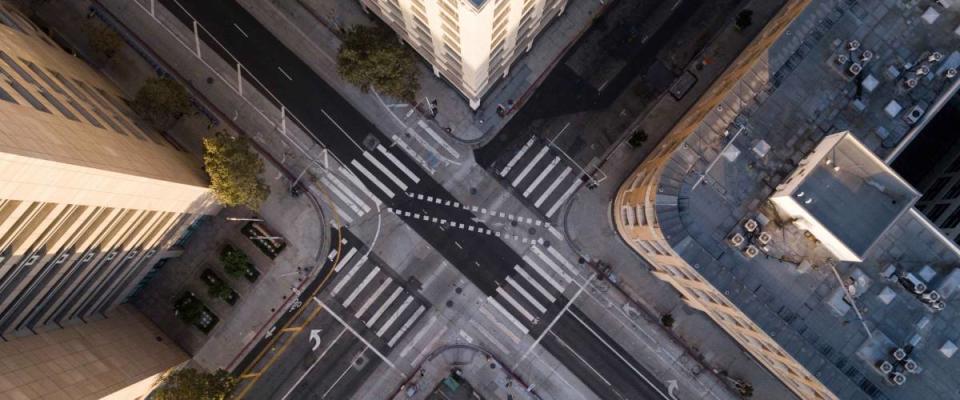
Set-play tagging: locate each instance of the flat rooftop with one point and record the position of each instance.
(794, 97)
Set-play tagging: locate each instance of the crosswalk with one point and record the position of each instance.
(542, 175)
(360, 186)
(525, 297)
(373, 296)
(423, 140)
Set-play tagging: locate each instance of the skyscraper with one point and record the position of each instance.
(470, 43)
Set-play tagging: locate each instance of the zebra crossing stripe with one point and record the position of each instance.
(356, 182)
(550, 263)
(383, 307)
(406, 171)
(543, 174)
(393, 318)
(536, 304)
(342, 196)
(363, 284)
(553, 186)
(348, 276)
(516, 157)
(406, 325)
(346, 258)
(383, 168)
(558, 256)
(372, 178)
(356, 199)
(366, 305)
(513, 302)
(534, 283)
(533, 163)
(543, 273)
(563, 198)
(509, 316)
(439, 140)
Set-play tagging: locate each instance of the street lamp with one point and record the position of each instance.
(244, 219)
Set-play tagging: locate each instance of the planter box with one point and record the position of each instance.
(269, 247)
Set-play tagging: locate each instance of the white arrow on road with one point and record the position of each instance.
(672, 387)
(315, 338)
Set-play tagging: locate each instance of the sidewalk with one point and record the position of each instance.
(317, 44)
(240, 322)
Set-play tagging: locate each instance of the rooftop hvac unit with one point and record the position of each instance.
(885, 367)
(899, 354)
(910, 83)
(913, 114)
(911, 366)
(855, 69)
(938, 306)
(935, 57)
(841, 59)
(736, 240)
(866, 56)
(920, 287)
(764, 238)
(897, 378)
(923, 70)
(931, 296)
(750, 225)
(751, 251)
(951, 73)
(853, 45)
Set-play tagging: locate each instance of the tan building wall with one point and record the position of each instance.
(471, 43)
(641, 204)
(119, 357)
(90, 197)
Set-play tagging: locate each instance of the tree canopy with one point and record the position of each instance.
(374, 57)
(161, 102)
(103, 40)
(235, 262)
(191, 384)
(234, 171)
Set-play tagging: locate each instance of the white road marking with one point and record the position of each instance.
(337, 182)
(553, 186)
(312, 366)
(353, 271)
(342, 196)
(346, 258)
(406, 325)
(516, 157)
(362, 339)
(556, 254)
(383, 307)
(376, 294)
(333, 253)
(393, 317)
(413, 154)
(513, 302)
(526, 295)
(570, 349)
(543, 273)
(363, 284)
(363, 170)
(506, 331)
(429, 346)
(356, 182)
(503, 349)
(284, 73)
(439, 140)
(344, 373)
(566, 307)
(418, 337)
(543, 174)
(509, 316)
(563, 198)
(241, 31)
(383, 168)
(550, 263)
(533, 163)
(534, 283)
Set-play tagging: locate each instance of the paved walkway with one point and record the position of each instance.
(294, 21)
(241, 322)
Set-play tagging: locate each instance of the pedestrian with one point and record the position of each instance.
(501, 110)
(434, 110)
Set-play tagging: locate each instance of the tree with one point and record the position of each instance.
(744, 19)
(221, 291)
(189, 309)
(374, 57)
(234, 171)
(667, 320)
(104, 41)
(161, 102)
(191, 384)
(235, 262)
(638, 138)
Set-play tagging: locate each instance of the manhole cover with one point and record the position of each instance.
(359, 361)
(581, 260)
(449, 303)
(458, 290)
(532, 231)
(546, 243)
(513, 223)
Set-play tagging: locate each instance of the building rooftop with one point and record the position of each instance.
(786, 105)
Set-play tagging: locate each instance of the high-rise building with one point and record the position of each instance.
(470, 43)
(90, 198)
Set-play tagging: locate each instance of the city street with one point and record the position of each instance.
(378, 172)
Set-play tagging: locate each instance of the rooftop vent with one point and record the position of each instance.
(897, 378)
(750, 225)
(751, 251)
(911, 366)
(867, 55)
(885, 367)
(951, 73)
(853, 45)
(910, 83)
(764, 238)
(913, 114)
(855, 69)
(899, 354)
(935, 57)
(736, 240)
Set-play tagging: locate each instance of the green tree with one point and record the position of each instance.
(638, 138)
(104, 41)
(235, 262)
(191, 384)
(744, 19)
(374, 57)
(234, 171)
(220, 290)
(161, 102)
(189, 309)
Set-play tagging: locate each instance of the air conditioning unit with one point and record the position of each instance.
(764, 238)
(951, 73)
(897, 378)
(736, 240)
(913, 114)
(751, 225)
(841, 59)
(919, 288)
(885, 367)
(922, 70)
(911, 366)
(938, 306)
(935, 57)
(867, 55)
(931, 296)
(853, 45)
(910, 83)
(855, 69)
(899, 354)
(751, 251)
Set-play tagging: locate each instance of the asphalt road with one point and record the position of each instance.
(483, 259)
